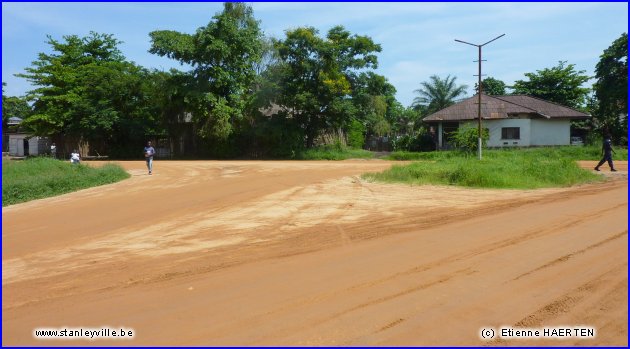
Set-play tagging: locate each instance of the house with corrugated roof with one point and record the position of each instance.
(512, 121)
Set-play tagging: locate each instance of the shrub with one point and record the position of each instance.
(356, 132)
(466, 138)
(420, 141)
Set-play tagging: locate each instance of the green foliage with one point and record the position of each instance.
(356, 134)
(513, 169)
(611, 89)
(269, 137)
(572, 153)
(561, 84)
(492, 87)
(404, 155)
(14, 107)
(314, 80)
(591, 152)
(420, 141)
(333, 152)
(38, 178)
(223, 56)
(467, 138)
(404, 120)
(437, 94)
(86, 90)
(375, 102)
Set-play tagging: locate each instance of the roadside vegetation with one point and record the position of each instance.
(38, 178)
(510, 169)
(334, 152)
(566, 152)
(252, 96)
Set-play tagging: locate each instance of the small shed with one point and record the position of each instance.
(23, 144)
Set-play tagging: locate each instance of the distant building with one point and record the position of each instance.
(14, 121)
(22, 144)
(512, 121)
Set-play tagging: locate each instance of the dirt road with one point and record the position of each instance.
(307, 253)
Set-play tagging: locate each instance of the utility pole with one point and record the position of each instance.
(479, 92)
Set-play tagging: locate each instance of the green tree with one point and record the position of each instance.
(314, 80)
(356, 134)
(168, 94)
(492, 87)
(84, 89)
(561, 84)
(611, 88)
(437, 94)
(373, 109)
(13, 107)
(375, 102)
(407, 120)
(224, 56)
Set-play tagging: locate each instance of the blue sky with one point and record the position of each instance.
(417, 38)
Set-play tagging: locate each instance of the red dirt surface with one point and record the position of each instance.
(307, 253)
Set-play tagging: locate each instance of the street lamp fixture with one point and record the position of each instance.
(479, 92)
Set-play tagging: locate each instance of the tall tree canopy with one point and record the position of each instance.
(438, 93)
(611, 87)
(85, 88)
(13, 106)
(375, 102)
(224, 55)
(492, 87)
(561, 84)
(315, 78)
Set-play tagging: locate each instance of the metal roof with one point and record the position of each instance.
(501, 107)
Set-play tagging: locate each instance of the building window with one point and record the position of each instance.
(511, 133)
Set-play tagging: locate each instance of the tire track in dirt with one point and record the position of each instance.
(363, 264)
(426, 221)
(286, 331)
(468, 255)
(573, 254)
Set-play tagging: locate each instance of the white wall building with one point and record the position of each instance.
(512, 121)
(21, 144)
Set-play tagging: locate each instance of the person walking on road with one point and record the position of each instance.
(149, 151)
(607, 152)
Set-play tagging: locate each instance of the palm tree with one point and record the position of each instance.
(437, 94)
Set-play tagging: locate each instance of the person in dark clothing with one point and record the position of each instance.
(607, 151)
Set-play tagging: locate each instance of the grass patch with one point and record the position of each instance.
(333, 152)
(430, 155)
(511, 169)
(564, 152)
(38, 178)
(588, 152)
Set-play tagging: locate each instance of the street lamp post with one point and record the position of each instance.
(479, 92)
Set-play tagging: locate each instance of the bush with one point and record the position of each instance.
(420, 141)
(333, 152)
(467, 138)
(402, 143)
(356, 134)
